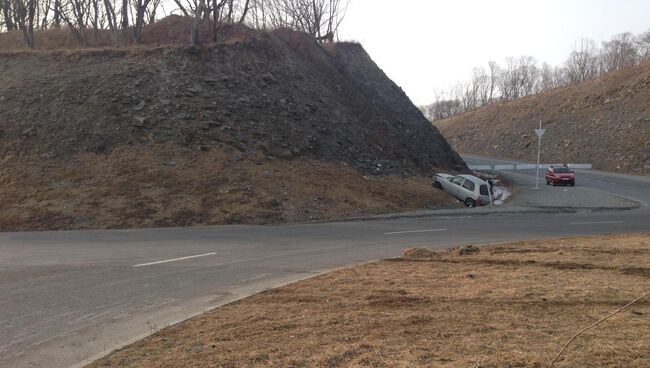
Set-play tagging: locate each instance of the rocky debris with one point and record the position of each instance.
(419, 253)
(279, 91)
(467, 250)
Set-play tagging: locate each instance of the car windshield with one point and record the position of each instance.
(561, 170)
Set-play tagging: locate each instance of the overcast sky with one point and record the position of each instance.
(431, 44)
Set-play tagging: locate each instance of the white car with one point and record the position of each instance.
(469, 189)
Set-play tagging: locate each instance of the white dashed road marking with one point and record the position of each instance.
(596, 222)
(174, 260)
(414, 231)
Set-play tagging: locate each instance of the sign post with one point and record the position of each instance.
(540, 133)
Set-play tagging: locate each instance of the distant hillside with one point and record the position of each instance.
(605, 121)
(265, 127)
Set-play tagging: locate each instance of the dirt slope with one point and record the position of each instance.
(604, 121)
(274, 100)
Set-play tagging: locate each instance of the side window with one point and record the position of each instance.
(457, 180)
(469, 185)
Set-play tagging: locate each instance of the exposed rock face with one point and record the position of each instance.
(277, 94)
(263, 128)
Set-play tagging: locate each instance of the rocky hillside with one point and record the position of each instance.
(604, 121)
(266, 102)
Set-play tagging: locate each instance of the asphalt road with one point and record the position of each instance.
(66, 297)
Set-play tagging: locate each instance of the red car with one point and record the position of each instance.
(560, 176)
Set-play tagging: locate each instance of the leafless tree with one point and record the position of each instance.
(547, 78)
(125, 19)
(508, 81)
(140, 17)
(495, 70)
(7, 15)
(560, 75)
(24, 12)
(198, 14)
(481, 82)
(56, 10)
(583, 63)
(643, 45)
(111, 19)
(619, 52)
(318, 18)
(74, 13)
(520, 77)
(443, 107)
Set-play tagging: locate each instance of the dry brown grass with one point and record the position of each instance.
(511, 305)
(604, 121)
(170, 186)
(172, 30)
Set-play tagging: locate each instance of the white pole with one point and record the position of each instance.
(539, 152)
(490, 191)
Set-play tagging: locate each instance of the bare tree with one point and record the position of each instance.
(258, 14)
(560, 75)
(125, 19)
(582, 64)
(8, 15)
(42, 14)
(528, 74)
(495, 70)
(197, 22)
(56, 10)
(621, 51)
(24, 12)
(643, 45)
(74, 13)
(244, 12)
(140, 19)
(443, 107)
(547, 78)
(481, 82)
(218, 8)
(318, 18)
(111, 19)
(520, 77)
(508, 81)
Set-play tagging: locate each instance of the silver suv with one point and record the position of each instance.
(469, 189)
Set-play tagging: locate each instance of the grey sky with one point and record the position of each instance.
(431, 44)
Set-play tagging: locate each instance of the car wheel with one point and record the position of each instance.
(470, 203)
(572, 184)
(437, 185)
(548, 182)
(553, 183)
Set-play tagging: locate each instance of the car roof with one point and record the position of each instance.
(474, 179)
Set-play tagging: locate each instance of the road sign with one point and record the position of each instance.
(540, 132)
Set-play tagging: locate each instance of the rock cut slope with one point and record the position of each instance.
(280, 94)
(605, 121)
(164, 136)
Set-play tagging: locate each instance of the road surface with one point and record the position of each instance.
(67, 297)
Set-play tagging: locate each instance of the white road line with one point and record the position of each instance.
(174, 260)
(414, 231)
(597, 222)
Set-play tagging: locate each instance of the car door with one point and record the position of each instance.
(467, 190)
(455, 187)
